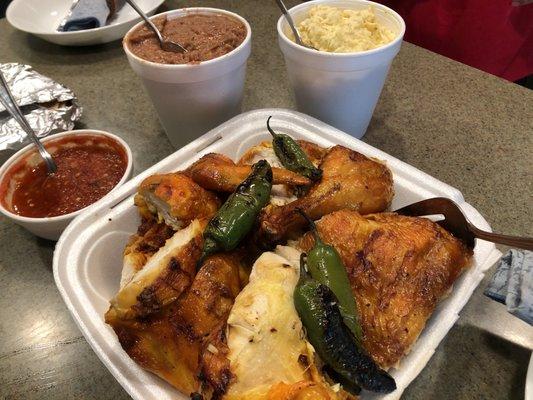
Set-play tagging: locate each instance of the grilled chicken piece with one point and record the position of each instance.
(264, 151)
(150, 237)
(399, 268)
(219, 173)
(176, 342)
(349, 181)
(165, 276)
(265, 339)
(175, 199)
(281, 194)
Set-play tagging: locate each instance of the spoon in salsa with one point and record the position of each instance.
(167, 45)
(10, 104)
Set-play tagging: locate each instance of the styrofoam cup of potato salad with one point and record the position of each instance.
(356, 41)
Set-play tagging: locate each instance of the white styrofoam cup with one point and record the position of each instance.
(341, 89)
(191, 99)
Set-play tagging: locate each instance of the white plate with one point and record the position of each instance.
(42, 17)
(88, 257)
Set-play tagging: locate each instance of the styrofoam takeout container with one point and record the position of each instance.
(88, 257)
(341, 89)
(191, 99)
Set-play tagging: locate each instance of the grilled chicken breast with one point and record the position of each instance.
(399, 268)
(178, 341)
(165, 276)
(150, 237)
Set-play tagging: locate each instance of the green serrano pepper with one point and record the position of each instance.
(317, 307)
(325, 265)
(292, 156)
(237, 215)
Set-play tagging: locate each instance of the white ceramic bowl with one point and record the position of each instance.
(52, 227)
(191, 99)
(341, 89)
(42, 17)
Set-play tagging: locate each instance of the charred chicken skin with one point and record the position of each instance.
(229, 335)
(350, 181)
(399, 269)
(177, 342)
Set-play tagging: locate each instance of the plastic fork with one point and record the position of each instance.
(456, 223)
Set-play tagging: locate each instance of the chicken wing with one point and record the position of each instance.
(399, 268)
(219, 173)
(171, 342)
(349, 181)
(175, 199)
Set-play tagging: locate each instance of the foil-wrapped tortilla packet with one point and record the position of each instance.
(48, 106)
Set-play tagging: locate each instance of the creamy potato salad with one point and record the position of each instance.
(343, 31)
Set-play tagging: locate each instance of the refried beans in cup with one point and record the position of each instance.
(205, 36)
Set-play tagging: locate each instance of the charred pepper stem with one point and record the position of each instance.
(292, 156)
(325, 265)
(317, 307)
(237, 215)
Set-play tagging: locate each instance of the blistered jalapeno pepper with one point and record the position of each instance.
(292, 156)
(324, 263)
(333, 341)
(237, 215)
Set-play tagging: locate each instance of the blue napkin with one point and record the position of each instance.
(512, 284)
(89, 14)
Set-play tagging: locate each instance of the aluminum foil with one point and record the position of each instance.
(48, 106)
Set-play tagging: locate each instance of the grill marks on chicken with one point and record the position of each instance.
(164, 277)
(349, 181)
(399, 269)
(150, 237)
(186, 326)
(179, 343)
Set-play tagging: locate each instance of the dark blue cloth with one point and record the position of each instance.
(86, 14)
(512, 284)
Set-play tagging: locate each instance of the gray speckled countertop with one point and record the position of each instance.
(469, 129)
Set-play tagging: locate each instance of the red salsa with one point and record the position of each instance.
(86, 171)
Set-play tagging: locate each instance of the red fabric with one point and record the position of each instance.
(491, 35)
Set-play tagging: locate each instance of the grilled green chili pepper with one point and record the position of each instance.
(292, 156)
(237, 215)
(325, 265)
(317, 307)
